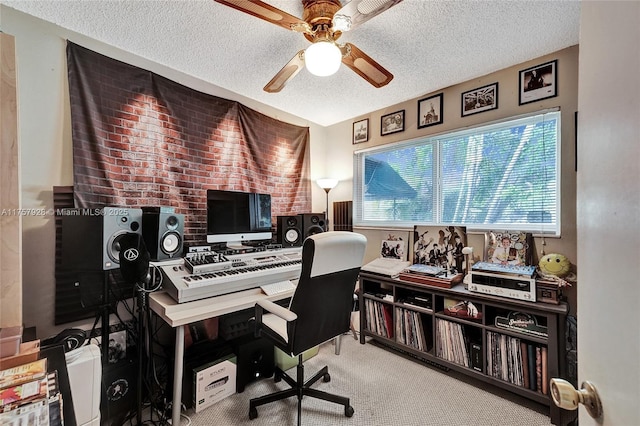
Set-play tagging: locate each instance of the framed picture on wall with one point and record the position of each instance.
(360, 131)
(480, 100)
(430, 111)
(539, 82)
(392, 123)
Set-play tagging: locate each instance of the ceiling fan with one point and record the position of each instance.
(323, 22)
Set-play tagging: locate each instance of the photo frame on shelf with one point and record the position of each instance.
(509, 247)
(439, 246)
(430, 111)
(360, 131)
(538, 82)
(393, 247)
(482, 99)
(392, 123)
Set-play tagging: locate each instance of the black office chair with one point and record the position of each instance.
(320, 310)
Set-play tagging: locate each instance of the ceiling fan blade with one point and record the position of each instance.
(265, 11)
(287, 72)
(364, 66)
(357, 12)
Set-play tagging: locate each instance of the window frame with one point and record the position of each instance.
(359, 156)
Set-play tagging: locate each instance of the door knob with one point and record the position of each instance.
(567, 397)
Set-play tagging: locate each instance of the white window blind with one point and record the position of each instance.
(497, 176)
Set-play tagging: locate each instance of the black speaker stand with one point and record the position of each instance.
(104, 314)
(142, 296)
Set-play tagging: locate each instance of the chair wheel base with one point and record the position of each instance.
(326, 378)
(253, 413)
(348, 411)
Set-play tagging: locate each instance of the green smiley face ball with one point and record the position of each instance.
(555, 264)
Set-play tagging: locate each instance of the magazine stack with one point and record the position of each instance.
(30, 396)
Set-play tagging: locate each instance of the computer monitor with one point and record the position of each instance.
(236, 218)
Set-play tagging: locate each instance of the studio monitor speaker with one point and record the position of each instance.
(91, 237)
(289, 232)
(312, 223)
(163, 231)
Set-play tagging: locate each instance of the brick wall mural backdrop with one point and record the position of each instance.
(140, 139)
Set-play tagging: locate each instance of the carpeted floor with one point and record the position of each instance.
(385, 389)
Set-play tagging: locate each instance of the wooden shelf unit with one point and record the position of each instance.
(380, 294)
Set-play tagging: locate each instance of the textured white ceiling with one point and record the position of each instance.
(426, 44)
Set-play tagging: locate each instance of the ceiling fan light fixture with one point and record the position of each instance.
(341, 23)
(322, 58)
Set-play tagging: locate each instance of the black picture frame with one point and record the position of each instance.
(478, 100)
(392, 123)
(430, 111)
(360, 131)
(538, 82)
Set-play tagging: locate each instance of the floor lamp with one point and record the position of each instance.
(327, 185)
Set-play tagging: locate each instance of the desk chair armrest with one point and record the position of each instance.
(269, 306)
(280, 312)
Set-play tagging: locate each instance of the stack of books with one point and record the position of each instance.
(430, 275)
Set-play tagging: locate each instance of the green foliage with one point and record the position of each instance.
(497, 175)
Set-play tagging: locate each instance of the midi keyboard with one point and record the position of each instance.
(236, 273)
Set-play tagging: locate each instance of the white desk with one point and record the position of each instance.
(178, 315)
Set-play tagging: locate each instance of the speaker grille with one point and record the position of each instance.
(170, 243)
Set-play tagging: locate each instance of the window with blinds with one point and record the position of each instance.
(499, 176)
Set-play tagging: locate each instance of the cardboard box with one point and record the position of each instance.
(285, 362)
(213, 382)
(28, 352)
(10, 339)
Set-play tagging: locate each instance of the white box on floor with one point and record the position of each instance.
(84, 367)
(213, 382)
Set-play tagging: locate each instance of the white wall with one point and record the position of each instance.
(339, 161)
(44, 133)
